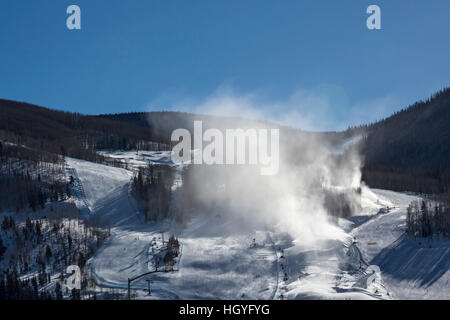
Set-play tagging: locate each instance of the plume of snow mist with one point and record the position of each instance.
(312, 166)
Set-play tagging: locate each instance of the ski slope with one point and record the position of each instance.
(222, 260)
(210, 266)
(412, 268)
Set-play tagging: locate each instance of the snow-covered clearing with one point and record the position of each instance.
(136, 159)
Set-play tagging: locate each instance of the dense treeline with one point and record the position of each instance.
(407, 179)
(428, 219)
(163, 123)
(173, 250)
(37, 253)
(152, 189)
(411, 149)
(14, 288)
(70, 134)
(30, 178)
(408, 151)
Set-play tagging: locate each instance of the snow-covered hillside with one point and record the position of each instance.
(411, 268)
(221, 259)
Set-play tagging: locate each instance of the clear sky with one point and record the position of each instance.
(311, 64)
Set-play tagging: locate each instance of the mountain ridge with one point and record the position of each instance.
(410, 150)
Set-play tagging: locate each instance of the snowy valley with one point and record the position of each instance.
(222, 259)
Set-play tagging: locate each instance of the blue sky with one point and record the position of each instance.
(311, 64)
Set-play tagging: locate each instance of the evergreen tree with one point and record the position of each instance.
(75, 294)
(2, 249)
(58, 291)
(48, 253)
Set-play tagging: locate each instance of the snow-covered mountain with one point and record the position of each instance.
(217, 263)
(262, 239)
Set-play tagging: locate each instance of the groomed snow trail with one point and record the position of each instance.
(125, 255)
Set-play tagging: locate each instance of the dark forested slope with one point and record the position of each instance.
(411, 149)
(68, 133)
(415, 137)
(408, 151)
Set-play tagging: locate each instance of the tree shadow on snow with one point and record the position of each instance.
(421, 261)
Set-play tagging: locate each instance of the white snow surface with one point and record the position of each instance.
(136, 159)
(259, 264)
